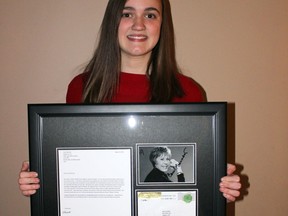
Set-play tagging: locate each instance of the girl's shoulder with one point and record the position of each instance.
(193, 92)
(76, 87)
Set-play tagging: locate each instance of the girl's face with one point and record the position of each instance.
(163, 162)
(139, 28)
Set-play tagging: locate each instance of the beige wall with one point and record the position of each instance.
(237, 50)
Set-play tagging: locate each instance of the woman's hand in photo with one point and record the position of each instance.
(174, 163)
(176, 166)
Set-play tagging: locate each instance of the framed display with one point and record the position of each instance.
(128, 159)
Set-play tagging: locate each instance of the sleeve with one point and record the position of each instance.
(181, 177)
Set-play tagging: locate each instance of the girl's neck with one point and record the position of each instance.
(135, 64)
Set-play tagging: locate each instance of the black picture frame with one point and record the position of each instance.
(201, 126)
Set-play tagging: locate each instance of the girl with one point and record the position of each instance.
(134, 62)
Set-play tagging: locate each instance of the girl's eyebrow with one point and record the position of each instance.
(146, 9)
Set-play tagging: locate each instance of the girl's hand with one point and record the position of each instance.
(28, 181)
(230, 185)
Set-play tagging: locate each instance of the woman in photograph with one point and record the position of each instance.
(161, 160)
(134, 62)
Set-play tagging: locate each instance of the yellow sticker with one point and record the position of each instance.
(149, 194)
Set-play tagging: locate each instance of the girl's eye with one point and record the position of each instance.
(150, 16)
(126, 15)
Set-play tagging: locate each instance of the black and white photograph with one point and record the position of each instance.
(166, 163)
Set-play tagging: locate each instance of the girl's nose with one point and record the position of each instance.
(138, 24)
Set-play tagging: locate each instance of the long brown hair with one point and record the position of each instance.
(105, 65)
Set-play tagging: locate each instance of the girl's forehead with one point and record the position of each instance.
(142, 4)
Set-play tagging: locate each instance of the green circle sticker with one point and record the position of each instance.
(187, 198)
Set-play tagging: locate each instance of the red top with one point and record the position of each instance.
(134, 88)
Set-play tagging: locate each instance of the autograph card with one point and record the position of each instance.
(167, 203)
